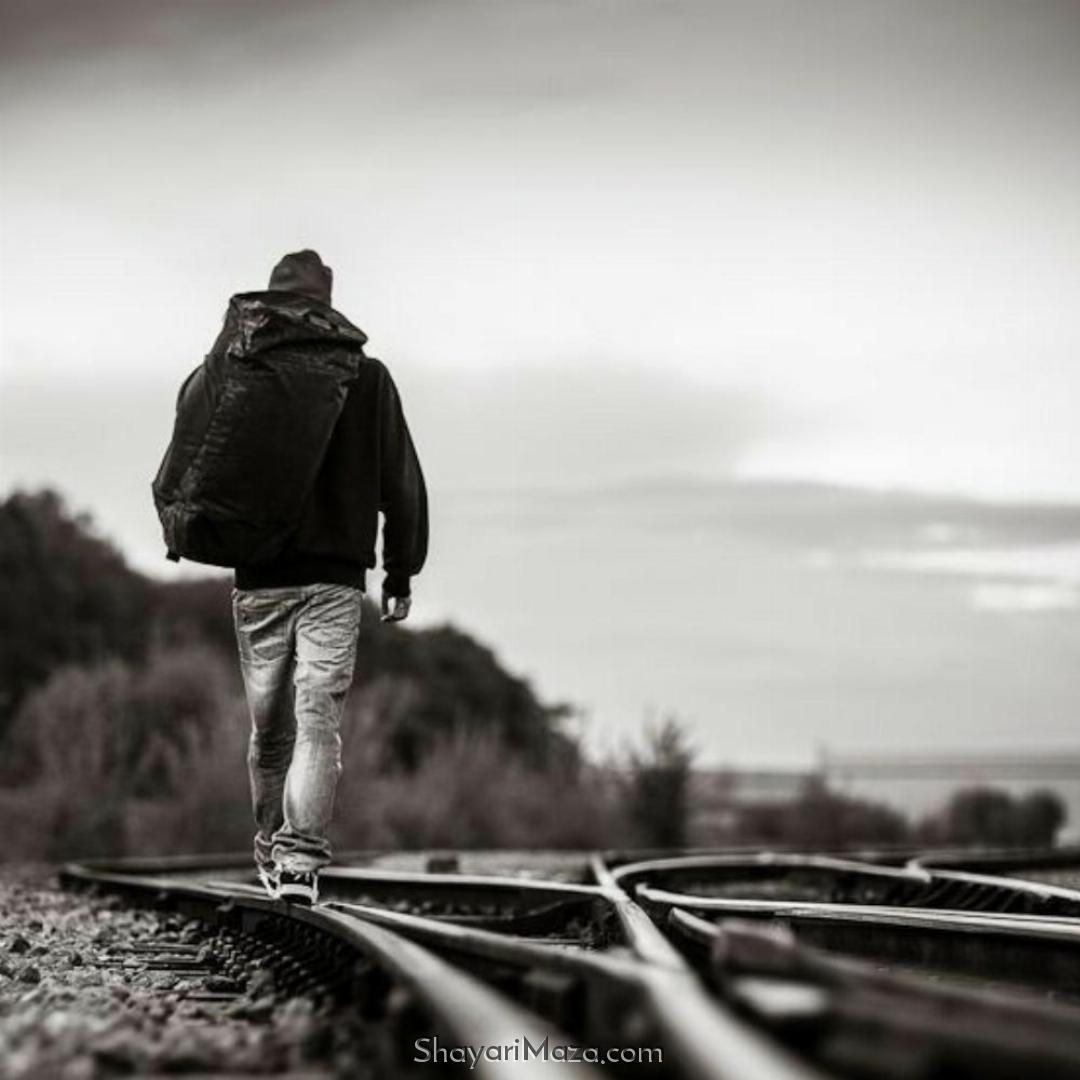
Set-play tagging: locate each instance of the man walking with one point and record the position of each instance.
(298, 615)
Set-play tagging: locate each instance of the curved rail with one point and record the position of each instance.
(737, 966)
(527, 908)
(634, 995)
(824, 879)
(957, 1030)
(705, 1041)
(468, 1010)
(1025, 950)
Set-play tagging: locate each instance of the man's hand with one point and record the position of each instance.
(395, 608)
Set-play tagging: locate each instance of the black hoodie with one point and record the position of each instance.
(370, 466)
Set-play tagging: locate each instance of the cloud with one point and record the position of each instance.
(867, 212)
(100, 442)
(59, 31)
(579, 424)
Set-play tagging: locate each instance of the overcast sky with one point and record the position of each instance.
(595, 241)
(592, 239)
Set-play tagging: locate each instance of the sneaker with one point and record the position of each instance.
(270, 876)
(300, 888)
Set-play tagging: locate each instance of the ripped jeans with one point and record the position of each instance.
(297, 651)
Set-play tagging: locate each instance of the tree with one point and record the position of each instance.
(657, 794)
(194, 610)
(823, 819)
(68, 596)
(1042, 813)
(992, 817)
(450, 686)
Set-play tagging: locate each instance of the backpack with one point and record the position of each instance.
(253, 422)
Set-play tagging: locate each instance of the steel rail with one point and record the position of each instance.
(885, 855)
(1040, 951)
(1055, 927)
(470, 933)
(485, 884)
(707, 1041)
(509, 904)
(913, 885)
(647, 942)
(748, 946)
(963, 1030)
(629, 874)
(843, 879)
(1057, 899)
(774, 1001)
(471, 1012)
(484, 891)
(525, 908)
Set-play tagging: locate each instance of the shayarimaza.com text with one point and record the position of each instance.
(430, 1050)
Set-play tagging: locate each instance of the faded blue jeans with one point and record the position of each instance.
(297, 650)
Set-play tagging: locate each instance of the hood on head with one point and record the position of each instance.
(305, 273)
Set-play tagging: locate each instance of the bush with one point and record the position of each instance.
(101, 751)
(994, 818)
(468, 790)
(194, 611)
(456, 687)
(656, 790)
(118, 760)
(68, 596)
(824, 820)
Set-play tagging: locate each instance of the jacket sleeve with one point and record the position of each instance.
(402, 494)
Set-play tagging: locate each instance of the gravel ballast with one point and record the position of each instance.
(90, 987)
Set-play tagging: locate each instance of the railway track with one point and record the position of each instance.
(726, 966)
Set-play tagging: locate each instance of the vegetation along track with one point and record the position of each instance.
(755, 966)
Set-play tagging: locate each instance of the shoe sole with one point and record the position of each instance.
(296, 895)
(271, 886)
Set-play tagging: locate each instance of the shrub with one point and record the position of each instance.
(95, 743)
(470, 791)
(456, 686)
(823, 819)
(656, 790)
(992, 817)
(68, 596)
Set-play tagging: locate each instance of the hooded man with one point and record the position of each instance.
(297, 616)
